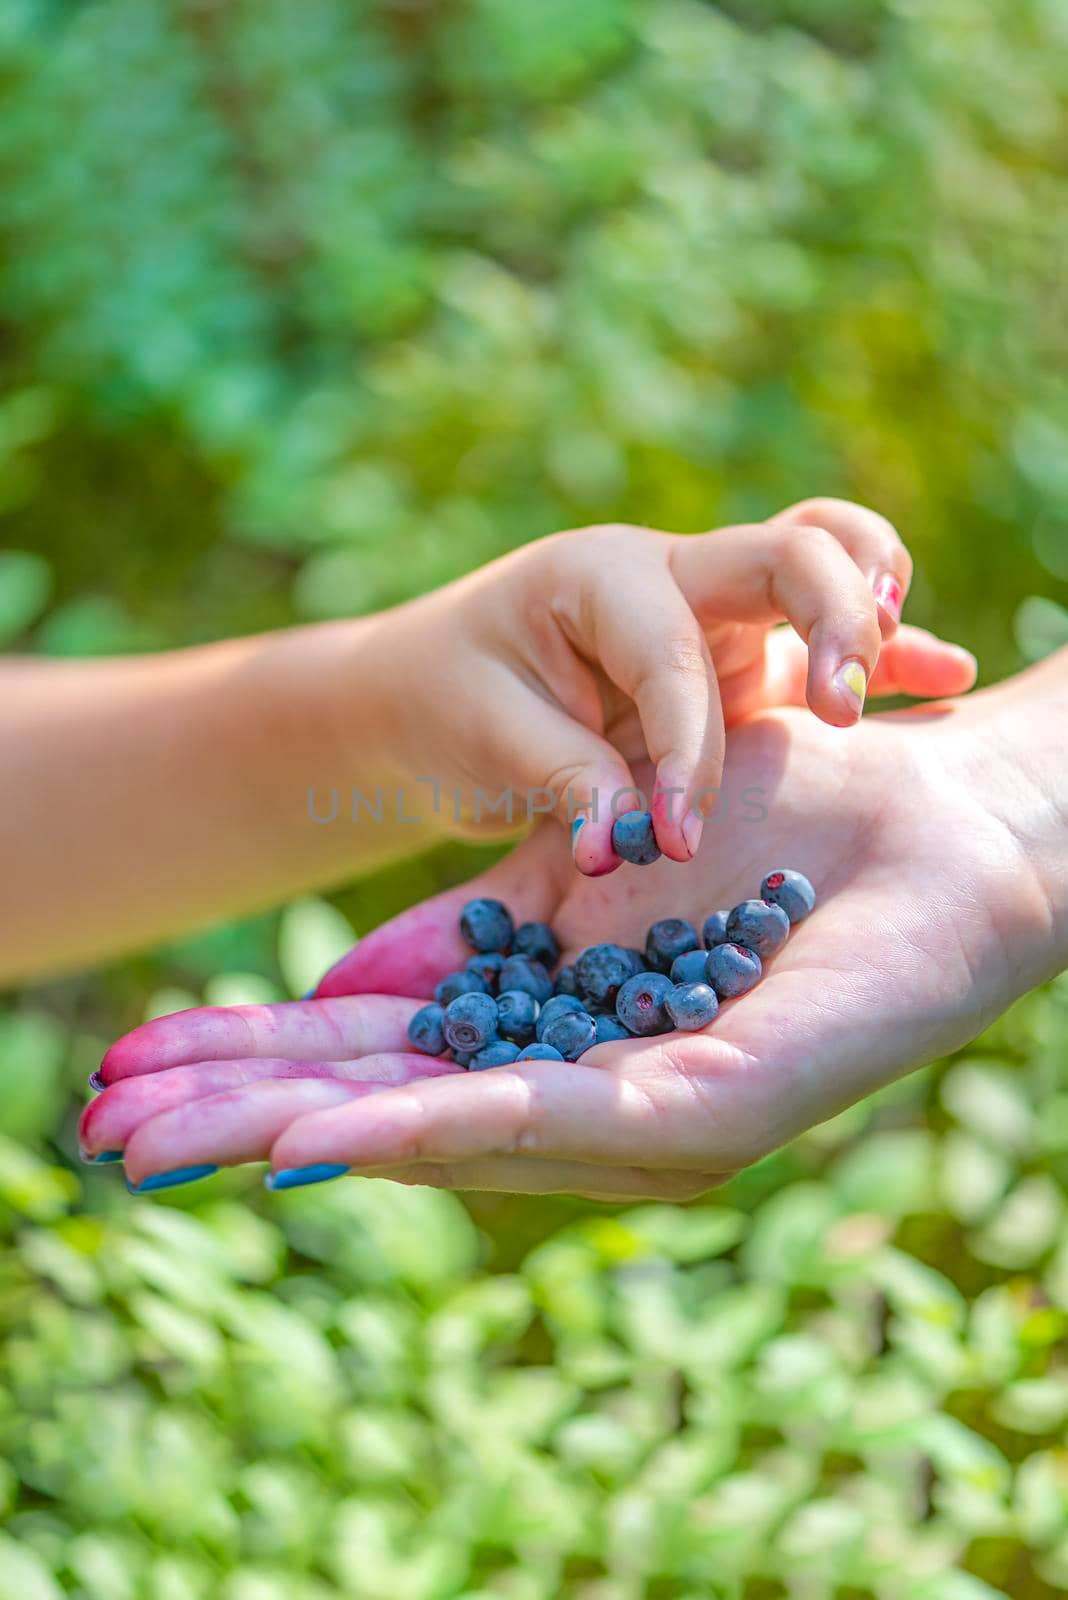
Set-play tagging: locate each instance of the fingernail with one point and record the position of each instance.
(888, 592)
(297, 1177)
(576, 828)
(170, 1180)
(692, 828)
(96, 1082)
(102, 1159)
(311, 993)
(851, 683)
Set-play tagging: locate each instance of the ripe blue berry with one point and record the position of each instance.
(487, 967)
(691, 1006)
(539, 1052)
(671, 937)
(572, 1033)
(520, 972)
(640, 1003)
(732, 969)
(714, 930)
(459, 983)
(471, 1022)
(487, 925)
(601, 971)
(463, 1058)
(501, 1053)
(537, 940)
(791, 890)
(425, 1030)
(517, 1013)
(760, 926)
(633, 838)
(610, 1029)
(565, 982)
(555, 1008)
(689, 968)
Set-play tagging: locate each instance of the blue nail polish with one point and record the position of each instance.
(576, 826)
(311, 993)
(297, 1177)
(170, 1180)
(102, 1159)
(96, 1082)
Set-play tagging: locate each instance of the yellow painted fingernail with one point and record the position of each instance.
(852, 684)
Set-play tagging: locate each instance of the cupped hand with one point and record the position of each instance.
(933, 915)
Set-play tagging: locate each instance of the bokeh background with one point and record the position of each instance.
(308, 305)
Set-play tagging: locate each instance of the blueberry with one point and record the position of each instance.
(520, 972)
(555, 1008)
(517, 1013)
(609, 1029)
(714, 930)
(487, 967)
(640, 1003)
(691, 1005)
(463, 1058)
(565, 982)
(732, 969)
(572, 1033)
(537, 940)
(539, 1052)
(637, 959)
(601, 971)
(425, 1030)
(501, 1053)
(459, 983)
(672, 937)
(633, 838)
(487, 925)
(471, 1022)
(791, 891)
(760, 926)
(689, 968)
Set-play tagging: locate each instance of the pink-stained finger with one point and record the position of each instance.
(307, 1030)
(414, 951)
(237, 1125)
(108, 1122)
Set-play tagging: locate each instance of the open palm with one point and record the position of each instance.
(907, 955)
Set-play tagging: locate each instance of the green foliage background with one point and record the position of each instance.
(307, 306)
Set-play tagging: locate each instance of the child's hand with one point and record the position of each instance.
(552, 672)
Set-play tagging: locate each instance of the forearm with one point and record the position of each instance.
(144, 796)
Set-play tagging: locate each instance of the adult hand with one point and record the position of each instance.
(938, 845)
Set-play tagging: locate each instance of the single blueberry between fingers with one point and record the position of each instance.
(667, 939)
(791, 890)
(609, 1029)
(634, 838)
(539, 1052)
(457, 983)
(690, 967)
(555, 1008)
(537, 940)
(732, 969)
(640, 1003)
(601, 971)
(517, 1015)
(487, 925)
(501, 1053)
(426, 1030)
(691, 1005)
(760, 926)
(486, 966)
(714, 929)
(572, 1033)
(520, 972)
(470, 1022)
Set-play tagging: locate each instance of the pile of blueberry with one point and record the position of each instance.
(506, 1006)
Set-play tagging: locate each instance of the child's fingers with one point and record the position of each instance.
(308, 1030)
(873, 542)
(647, 640)
(773, 571)
(913, 662)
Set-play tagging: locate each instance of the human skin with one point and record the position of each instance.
(142, 797)
(937, 839)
